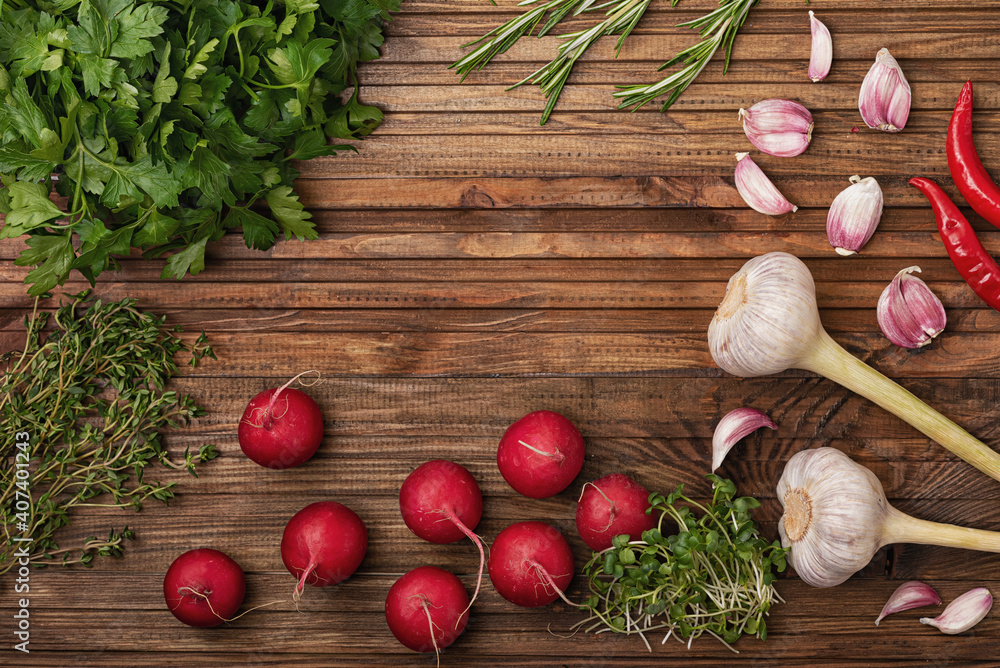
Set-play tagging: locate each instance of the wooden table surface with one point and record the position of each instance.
(473, 267)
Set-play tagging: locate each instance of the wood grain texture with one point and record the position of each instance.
(473, 266)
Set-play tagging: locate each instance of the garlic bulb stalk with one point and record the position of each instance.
(769, 322)
(837, 517)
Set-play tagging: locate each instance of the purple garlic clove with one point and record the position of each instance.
(909, 314)
(907, 596)
(854, 215)
(778, 127)
(884, 101)
(822, 49)
(757, 190)
(733, 427)
(963, 613)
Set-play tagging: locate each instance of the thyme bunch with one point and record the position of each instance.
(90, 397)
(715, 575)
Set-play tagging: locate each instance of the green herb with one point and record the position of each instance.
(714, 576)
(164, 124)
(717, 29)
(90, 403)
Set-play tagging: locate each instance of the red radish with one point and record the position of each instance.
(540, 454)
(531, 564)
(427, 609)
(323, 544)
(441, 503)
(204, 588)
(281, 427)
(611, 506)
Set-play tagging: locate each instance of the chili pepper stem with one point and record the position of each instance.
(829, 359)
(901, 528)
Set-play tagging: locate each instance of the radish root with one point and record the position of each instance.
(300, 585)
(547, 581)
(426, 606)
(482, 562)
(557, 455)
(268, 415)
(190, 591)
(611, 510)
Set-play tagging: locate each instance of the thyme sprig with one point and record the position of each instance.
(717, 29)
(713, 576)
(91, 399)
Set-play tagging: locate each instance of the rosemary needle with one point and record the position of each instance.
(717, 29)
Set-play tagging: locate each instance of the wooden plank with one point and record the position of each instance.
(903, 7)
(750, 45)
(324, 626)
(660, 18)
(478, 355)
(631, 407)
(690, 321)
(867, 153)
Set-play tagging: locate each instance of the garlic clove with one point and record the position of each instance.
(733, 428)
(778, 127)
(909, 595)
(909, 314)
(854, 215)
(884, 101)
(821, 55)
(757, 190)
(963, 613)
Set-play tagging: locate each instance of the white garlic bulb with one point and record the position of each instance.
(768, 319)
(837, 517)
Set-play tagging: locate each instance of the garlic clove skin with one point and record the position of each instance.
(778, 127)
(884, 101)
(757, 190)
(909, 314)
(963, 613)
(821, 55)
(909, 595)
(854, 215)
(825, 501)
(772, 288)
(733, 428)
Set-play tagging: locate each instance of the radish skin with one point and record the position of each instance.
(427, 609)
(611, 506)
(323, 544)
(441, 503)
(531, 564)
(281, 427)
(540, 454)
(204, 587)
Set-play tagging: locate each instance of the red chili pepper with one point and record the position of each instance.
(967, 170)
(967, 253)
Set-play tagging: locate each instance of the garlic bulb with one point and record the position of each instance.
(836, 517)
(768, 322)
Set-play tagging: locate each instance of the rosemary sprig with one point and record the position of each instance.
(89, 403)
(714, 576)
(717, 29)
(621, 19)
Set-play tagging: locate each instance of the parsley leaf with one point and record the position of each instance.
(163, 125)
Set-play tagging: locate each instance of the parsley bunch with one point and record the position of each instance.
(91, 400)
(713, 576)
(164, 123)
